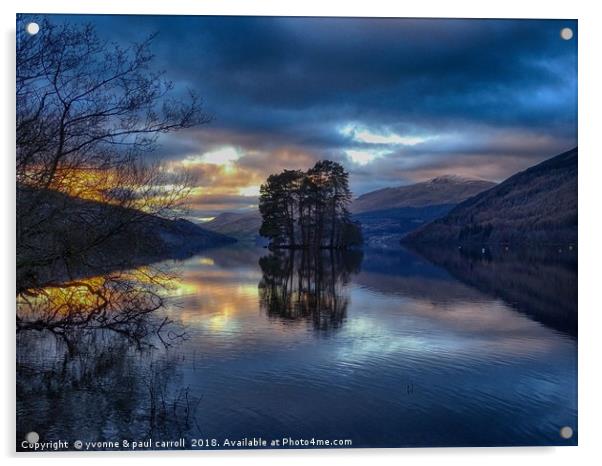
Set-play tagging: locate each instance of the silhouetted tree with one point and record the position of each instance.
(309, 209)
(279, 206)
(87, 111)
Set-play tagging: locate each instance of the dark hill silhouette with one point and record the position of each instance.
(80, 238)
(538, 205)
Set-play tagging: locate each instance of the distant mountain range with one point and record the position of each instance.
(239, 225)
(538, 205)
(386, 215)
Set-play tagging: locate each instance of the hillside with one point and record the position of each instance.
(60, 236)
(388, 214)
(388, 226)
(538, 205)
(243, 226)
(448, 189)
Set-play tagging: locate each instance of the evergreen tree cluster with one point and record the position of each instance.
(309, 209)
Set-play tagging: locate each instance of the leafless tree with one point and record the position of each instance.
(87, 113)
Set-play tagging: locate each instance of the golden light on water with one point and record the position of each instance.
(105, 293)
(80, 293)
(181, 288)
(209, 299)
(222, 319)
(247, 290)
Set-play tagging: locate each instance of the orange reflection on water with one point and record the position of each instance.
(213, 298)
(102, 293)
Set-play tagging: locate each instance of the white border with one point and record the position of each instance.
(590, 199)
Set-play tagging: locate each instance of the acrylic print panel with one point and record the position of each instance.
(269, 232)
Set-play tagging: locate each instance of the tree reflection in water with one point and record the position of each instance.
(306, 285)
(90, 346)
(123, 302)
(105, 389)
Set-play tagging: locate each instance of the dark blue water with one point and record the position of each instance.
(384, 348)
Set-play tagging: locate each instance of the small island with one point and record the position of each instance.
(309, 209)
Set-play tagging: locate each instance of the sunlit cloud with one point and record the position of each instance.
(228, 176)
(408, 113)
(365, 135)
(363, 157)
(224, 156)
(249, 191)
(384, 137)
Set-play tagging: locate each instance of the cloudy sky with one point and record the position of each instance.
(394, 100)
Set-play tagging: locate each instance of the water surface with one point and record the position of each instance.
(382, 347)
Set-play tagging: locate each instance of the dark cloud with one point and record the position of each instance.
(488, 97)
